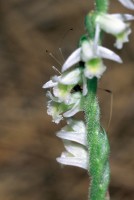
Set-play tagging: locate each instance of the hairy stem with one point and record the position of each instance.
(97, 145)
(101, 5)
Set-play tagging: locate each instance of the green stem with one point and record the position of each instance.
(97, 145)
(101, 5)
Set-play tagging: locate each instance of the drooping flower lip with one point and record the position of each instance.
(127, 3)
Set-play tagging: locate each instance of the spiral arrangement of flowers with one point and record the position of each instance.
(74, 90)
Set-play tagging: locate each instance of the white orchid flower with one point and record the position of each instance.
(74, 105)
(58, 109)
(75, 131)
(75, 155)
(116, 25)
(127, 3)
(63, 90)
(89, 54)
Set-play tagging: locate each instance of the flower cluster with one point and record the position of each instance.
(67, 91)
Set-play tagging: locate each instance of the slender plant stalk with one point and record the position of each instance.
(98, 146)
(101, 5)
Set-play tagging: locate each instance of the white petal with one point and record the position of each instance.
(49, 84)
(73, 136)
(111, 24)
(74, 128)
(72, 59)
(72, 77)
(85, 89)
(49, 95)
(78, 162)
(56, 78)
(97, 37)
(75, 149)
(52, 110)
(108, 54)
(77, 126)
(75, 109)
(127, 3)
(122, 39)
(124, 17)
(87, 52)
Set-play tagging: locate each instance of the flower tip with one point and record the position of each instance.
(119, 60)
(43, 86)
(73, 59)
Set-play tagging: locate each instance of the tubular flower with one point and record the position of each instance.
(64, 100)
(116, 25)
(92, 58)
(74, 131)
(74, 137)
(58, 109)
(75, 155)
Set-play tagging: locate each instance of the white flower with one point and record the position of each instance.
(67, 81)
(115, 25)
(87, 52)
(58, 109)
(76, 104)
(75, 155)
(127, 3)
(74, 131)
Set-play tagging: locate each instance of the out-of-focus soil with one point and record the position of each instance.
(28, 145)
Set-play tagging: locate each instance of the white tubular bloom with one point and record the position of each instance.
(87, 52)
(58, 109)
(74, 131)
(75, 102)
(127, 3)
(74, 136)
(90, 55)
(75, 155)
(115, 24)
(64, 102)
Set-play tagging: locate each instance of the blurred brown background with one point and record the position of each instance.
(28, 145)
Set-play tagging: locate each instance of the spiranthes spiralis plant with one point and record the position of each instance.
(74, 90)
